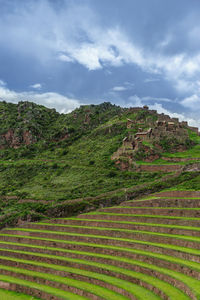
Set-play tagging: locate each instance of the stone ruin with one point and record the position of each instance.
(165, 127)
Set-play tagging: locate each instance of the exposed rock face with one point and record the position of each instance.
(15, 139)
(26, 123)
(192, 168)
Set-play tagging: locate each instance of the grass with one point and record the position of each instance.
(194, 152)
(70, 180)
(167, 198)
(142, 215)
(133, 241)
(164, 286)
(61, 170)
(189, 185)
(50, 290)
(94, 289)
(154, 208)
(119, 222)
(176, 236)
(79, 167)
(12, 210)
(10, 295)
(175, 260)
(160, 162)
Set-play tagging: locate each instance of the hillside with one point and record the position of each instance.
(100, 203)
(142, 249)
(65, 163)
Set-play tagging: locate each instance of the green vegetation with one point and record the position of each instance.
(67, 254)
(108, 231)
(144, 215)
(182, 262)
(62, 165)
(47, 159)
(50, 290)
(190, 185)
(9, 295)
(94, 289)
(120, 222)
(98, 245)
(132, 288)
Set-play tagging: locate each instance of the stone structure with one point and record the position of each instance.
(130, 123)
(160, 123)
(184, 123)
(171, 126)
(148, 145)
(176, 120)
(144, 135)
(134, 109)
(195, 129)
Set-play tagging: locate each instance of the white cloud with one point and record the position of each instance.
(147, 80)
(119, 88)
(112, 47)
(36, 86)
(135, 101)
(62, 103)
(2, 83)
(126, 86)
(192, 119)
(105, 47)
(75, 34)
(148, 98)
(65, 58)
(192, 102)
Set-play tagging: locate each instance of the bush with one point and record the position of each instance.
(55, 166)
(112, 174)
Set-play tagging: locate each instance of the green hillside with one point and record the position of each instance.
(49, 159)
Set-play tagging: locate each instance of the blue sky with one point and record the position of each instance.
(64, 53)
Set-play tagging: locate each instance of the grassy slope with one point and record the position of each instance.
(76, 167)
(9, 295)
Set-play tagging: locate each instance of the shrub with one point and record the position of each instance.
(112, 174)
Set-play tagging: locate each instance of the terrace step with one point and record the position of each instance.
(133, 289)
(159, 168)
(29, 271)
(10, 295)
(97, 267)
(164, 202)
(88, 225)
(106, 236)
(142, 249)
(182, 265)
(170, 211)
(37, 243)
(180, 194)
(159, 219)
(35, 289)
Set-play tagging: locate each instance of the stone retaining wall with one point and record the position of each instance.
(158, 168)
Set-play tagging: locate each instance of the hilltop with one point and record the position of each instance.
(61, 164)
(145, 133)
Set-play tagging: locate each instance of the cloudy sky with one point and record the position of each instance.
(64, 53)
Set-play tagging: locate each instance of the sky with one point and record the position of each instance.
(67, 53)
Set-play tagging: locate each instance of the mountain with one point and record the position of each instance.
(60, 164)
(26, 123)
